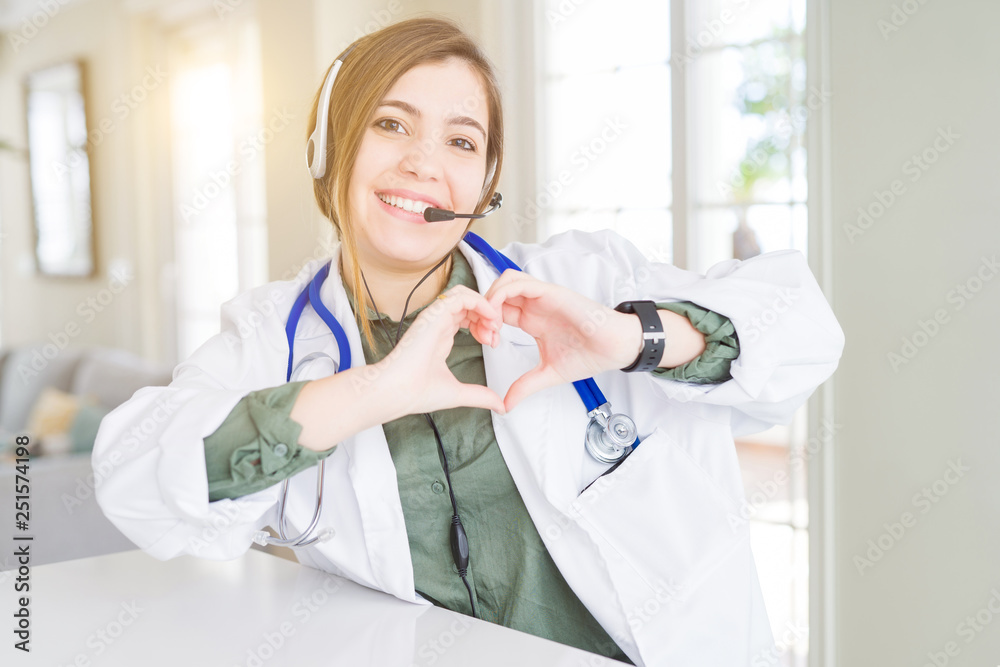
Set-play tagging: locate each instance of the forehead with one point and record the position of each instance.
(443, 89)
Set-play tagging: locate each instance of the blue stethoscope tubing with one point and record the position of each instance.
(592, 396)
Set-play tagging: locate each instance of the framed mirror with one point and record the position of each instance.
(59, 167)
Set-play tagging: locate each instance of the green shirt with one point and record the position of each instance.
(513, 578)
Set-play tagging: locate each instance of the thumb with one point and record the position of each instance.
(526, 385)
(478, 396)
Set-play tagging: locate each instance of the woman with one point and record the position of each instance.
(463, 405)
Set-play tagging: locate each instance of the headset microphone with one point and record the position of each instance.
(432, 214)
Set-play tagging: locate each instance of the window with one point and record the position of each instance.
(606, 113)
(681, 125)
(217, 173)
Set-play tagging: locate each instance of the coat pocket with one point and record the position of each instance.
(663, 515)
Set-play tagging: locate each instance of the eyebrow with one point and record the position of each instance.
(452, 120)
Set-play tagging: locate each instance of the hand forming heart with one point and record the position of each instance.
(577, 338)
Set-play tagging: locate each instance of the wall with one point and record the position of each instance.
(895, 96)
(36, 307)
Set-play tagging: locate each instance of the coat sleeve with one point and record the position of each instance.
(150, 449)
(789, 339)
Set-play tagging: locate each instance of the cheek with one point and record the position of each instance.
(468, 185)
(361, 182)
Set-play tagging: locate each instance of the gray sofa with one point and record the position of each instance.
(64, 517)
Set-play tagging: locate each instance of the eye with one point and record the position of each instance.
(464, 144)
(391, 125)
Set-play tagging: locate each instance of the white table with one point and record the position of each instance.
(131, 610)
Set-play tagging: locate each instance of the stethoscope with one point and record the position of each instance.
(609, 438)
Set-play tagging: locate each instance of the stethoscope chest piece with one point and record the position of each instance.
(609, 436)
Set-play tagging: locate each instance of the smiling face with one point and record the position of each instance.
(425, 144)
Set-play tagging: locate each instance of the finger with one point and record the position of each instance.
(465, 306)
(473, 302)
(467, 309)
(507, 276)
(476, 323)
(482, 332)
(515, 292)
(525, 288)
(484, 320)
(533, 381)
(478, 396)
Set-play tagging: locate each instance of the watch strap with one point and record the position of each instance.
(653, 338)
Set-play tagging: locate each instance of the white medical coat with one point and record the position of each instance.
(658, 550)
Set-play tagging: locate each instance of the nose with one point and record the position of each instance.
(422, 159)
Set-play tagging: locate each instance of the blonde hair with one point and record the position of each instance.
(374, 64)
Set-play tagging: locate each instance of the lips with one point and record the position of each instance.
(406, 204)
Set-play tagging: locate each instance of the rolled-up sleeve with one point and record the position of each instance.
(257, 445)
(722, 346)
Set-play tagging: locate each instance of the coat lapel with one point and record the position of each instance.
(542, 438)
(372, 472)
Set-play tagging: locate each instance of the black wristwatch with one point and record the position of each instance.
(653, 338)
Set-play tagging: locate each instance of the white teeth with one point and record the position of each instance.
(405, 204)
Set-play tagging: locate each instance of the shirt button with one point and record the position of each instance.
(280, 449)
(437, 487)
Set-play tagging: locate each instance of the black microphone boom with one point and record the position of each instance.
(432, 214)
